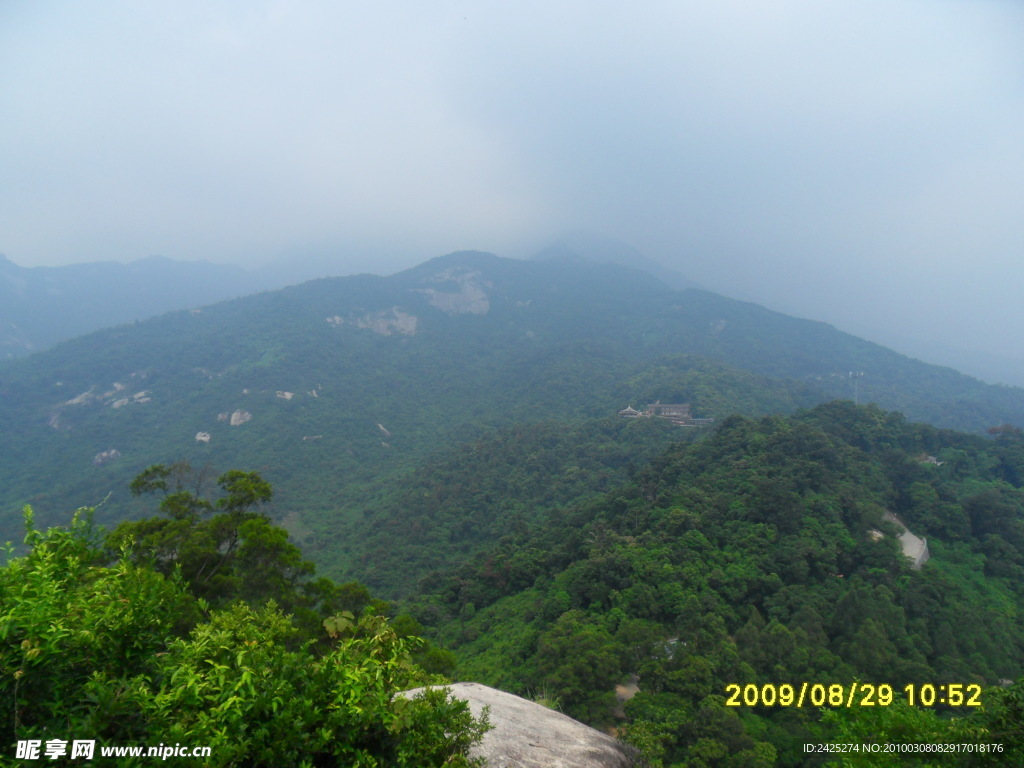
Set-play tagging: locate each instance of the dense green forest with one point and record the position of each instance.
(761, 555)
(142, 637)
(449, 438)
(340, 386)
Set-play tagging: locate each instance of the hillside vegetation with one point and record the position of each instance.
(335, 387)
(171, 632)
(449, 437)
(762, 555)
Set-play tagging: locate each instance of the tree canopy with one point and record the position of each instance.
(128, 651)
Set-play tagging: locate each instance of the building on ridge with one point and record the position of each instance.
(677, 413)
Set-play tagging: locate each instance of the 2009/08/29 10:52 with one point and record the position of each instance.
(852, 695)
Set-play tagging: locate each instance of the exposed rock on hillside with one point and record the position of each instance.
(913, 546)
(385, 322)
(528, 735)
(103, 457)
(470, 297)
(391, 321)
(240, 417)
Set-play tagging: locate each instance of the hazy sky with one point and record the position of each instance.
(857, 162)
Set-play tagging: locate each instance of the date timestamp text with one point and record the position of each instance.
(851, 695)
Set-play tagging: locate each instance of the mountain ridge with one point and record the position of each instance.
(309, 377)
(40, 306)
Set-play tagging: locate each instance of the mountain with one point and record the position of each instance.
(450, 435)
(40, 306)
(339, 388)
(603, 249)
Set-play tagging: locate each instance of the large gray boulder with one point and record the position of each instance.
(528, 735)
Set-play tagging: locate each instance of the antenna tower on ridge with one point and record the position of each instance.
(856, 376)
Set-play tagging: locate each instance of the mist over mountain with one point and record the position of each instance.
(979, 361)
(602, 249)
(40, 306)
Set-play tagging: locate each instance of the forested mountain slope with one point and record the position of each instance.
(40, 306)
(450, 434)
(338, 386)
(762, 555)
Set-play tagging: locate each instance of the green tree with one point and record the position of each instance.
(73, 631)
(580, 662)
(211, 553)
(235, 684)
(226, 549)
(95, 652)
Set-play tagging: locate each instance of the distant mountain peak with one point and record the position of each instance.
(592, 247)
(464, 290)
(583, 246)
(471, 259)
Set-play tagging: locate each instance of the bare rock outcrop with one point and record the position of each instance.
(470, 295)
(238, 418)
(104, 457)
(528, 735)
(385, 322)
(914, 547)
